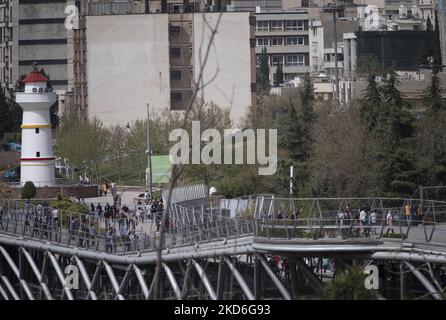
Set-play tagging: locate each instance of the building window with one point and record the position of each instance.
(175, 75)
(293, 41)
(262, 41)
(175, 97)
(277, 41)
(37, 130)
(277, 60)
(276, 25)
(175, 52)
(38, 154)
(174, 29)
(295, 60)
(291, 25)
(262, 26)
(300, 25)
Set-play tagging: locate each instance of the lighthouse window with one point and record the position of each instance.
(38, 154)
(37, 130)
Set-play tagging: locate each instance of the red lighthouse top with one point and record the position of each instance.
(35, 76)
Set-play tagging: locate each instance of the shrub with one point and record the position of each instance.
(349, 285)
(59, 196)
(28, 190)
(5, 191)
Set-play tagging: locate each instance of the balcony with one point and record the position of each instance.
(281, 33)
(283, 49)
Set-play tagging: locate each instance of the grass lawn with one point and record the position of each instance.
(129, 175)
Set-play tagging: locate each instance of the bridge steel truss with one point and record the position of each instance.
(209, 255)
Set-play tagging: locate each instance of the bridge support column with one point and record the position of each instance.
(294, 279)
(221, 278)
(258, 278)
(402, 282)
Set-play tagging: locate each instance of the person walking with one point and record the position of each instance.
(362, 220)
(389, 222)
(407, 213)
(373, 221)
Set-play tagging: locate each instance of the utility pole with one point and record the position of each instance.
(334, 9)
(149, 154)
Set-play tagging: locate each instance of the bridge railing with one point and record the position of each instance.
(331, 228)
(73, 229)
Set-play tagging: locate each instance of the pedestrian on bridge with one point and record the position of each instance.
(389, 222)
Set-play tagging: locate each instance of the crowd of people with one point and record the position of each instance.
(366, 220)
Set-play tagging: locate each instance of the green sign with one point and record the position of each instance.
(161, 169)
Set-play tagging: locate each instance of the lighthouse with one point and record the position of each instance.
(37, 159)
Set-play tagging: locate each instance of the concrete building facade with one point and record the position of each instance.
(33, 31)
(441, 9)
(285, 35)
(132, 60)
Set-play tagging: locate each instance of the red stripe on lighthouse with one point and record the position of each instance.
(36, 159)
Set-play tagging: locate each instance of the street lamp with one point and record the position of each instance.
(334, 8)
(149, 154)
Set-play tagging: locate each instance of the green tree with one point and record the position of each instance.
(436, 51)
(395, 167)
(279, 75)
(210, 116)
(83, 144)
(263, 76)
(370, 103)
(10, 115)
(28, 190)
(431, 133)
(349, 285)
(295, 136)
(117, 142)
(307, 115)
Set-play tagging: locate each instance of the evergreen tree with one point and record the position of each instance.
(395, 169)
(307, 117)
(279, 75)
(264, 71)
(429, 24)
(290, 132)
(370, 104)
(436, 51)
(432, 130)
(295, 137)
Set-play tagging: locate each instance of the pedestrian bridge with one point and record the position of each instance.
(216, 238)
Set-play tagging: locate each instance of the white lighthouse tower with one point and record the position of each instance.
(37, 160)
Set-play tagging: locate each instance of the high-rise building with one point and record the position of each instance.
(32, 31)
(285, 35)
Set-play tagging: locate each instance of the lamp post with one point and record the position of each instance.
(333, 8)
(149, 154)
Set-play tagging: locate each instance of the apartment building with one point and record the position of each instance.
(33, 31)
(441, 9)
(285, 35)
(132, 60)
